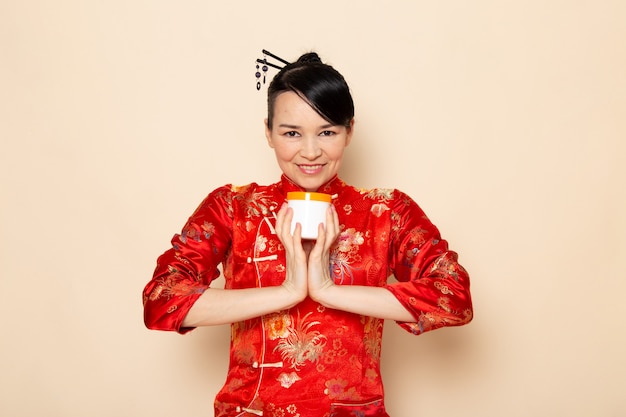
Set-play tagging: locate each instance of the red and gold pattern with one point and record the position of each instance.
(309, 361)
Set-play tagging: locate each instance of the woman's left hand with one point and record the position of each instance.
(319, 278)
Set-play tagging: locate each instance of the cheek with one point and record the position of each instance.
(284, 152)
(335, 153)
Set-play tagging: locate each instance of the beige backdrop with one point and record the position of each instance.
(504, 120)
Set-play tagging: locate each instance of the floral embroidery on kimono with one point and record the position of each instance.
(309, 361)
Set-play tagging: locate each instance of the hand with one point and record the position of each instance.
(296, 257)
(319, 279)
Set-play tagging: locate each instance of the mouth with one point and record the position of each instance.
(311, 169)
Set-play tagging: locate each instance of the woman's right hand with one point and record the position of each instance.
(296, 256)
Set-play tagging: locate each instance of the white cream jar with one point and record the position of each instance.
(309, 209)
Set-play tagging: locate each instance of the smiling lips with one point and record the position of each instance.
(311, 169)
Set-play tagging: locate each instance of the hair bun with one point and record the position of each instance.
(310, 58)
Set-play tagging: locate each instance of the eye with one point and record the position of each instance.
(327, 133)
(291, 134)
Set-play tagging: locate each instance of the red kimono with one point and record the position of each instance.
(309, 361)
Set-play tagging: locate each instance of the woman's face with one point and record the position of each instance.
(308, 148)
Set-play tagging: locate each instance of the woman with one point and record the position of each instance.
(307, 316)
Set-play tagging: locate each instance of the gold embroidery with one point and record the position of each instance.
(278, 325)
(336, 390)
(443, 288)
(256, 204)
(373, 331)
(345, 251)
(383, 194)
(287, 380)
(261, 243)
(302, 344)
(379, 209)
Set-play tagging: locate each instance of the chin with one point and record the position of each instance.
(310, 182)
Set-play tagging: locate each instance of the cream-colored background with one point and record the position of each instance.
(504, 120)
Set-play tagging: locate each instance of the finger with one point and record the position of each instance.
(332, 225)
(280, 218)
(297, 233)
(320, 242)
(297, 244)
(285, 224)
(283, 230)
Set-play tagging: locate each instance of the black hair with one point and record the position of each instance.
(319, 84)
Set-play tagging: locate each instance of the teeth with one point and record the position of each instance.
(311, 168)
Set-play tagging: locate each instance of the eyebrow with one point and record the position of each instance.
(288, 126)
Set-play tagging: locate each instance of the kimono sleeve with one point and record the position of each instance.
(187, 269)
(432, 285)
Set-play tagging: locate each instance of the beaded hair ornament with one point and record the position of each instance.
(265, 66)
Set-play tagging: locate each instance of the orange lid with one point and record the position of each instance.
(304, 195)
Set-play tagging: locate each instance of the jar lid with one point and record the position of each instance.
(305, 195)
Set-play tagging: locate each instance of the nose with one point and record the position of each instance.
(310, 148)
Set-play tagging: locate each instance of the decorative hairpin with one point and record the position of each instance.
(265, 66)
